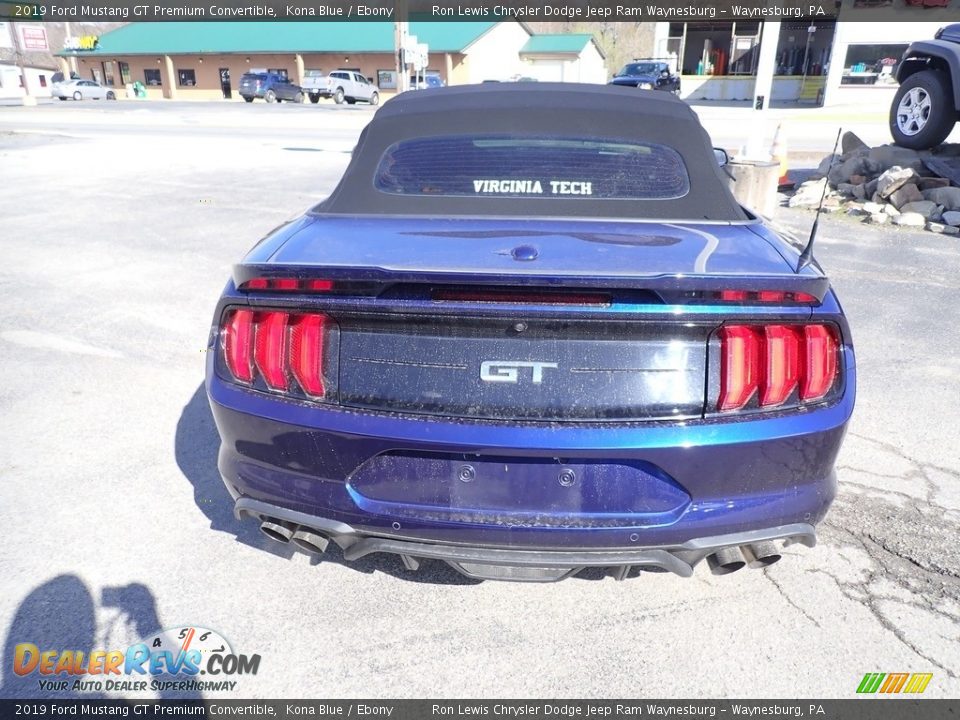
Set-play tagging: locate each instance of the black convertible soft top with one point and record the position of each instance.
(540, 111)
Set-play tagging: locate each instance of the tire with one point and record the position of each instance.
(298, 98)
(78, 95)
(247, 99)
(338, 97)
(314, 99)
(922, 113)
(111, 96)
(270, 96)
(375, 99)
(62, 97)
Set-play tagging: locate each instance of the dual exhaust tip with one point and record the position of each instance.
(756, 555)
(303, 537)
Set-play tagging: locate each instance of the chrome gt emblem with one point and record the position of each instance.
(508, 371)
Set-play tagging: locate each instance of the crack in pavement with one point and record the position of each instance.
(785, 596)
(907, 577)
(910, 542)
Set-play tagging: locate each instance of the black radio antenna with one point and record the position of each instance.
(806, 257)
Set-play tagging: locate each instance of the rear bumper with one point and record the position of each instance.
(531, 565)
(661, 493)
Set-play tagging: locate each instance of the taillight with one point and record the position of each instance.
(773, 361)
(520, 297)
(287, 285)
(306, 353)
(278, 349)
(820, 362)
(782, 364)
(237, 341)
(739, 365)
(270, 349)
(780, 297)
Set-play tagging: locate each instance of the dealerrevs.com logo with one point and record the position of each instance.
(173, 660)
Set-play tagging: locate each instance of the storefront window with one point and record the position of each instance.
(707, 48)
(108, 73)
(872, 64)
(151, 77)
(124, 73)
(387, 79)
(804, 47)
(186, 78)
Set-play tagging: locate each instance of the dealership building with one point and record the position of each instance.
(815, 60)
(204, 60)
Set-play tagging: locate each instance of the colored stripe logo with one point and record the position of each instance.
(891, 683)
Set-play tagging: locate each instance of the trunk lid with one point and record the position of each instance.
(405, 347)
(579, 252)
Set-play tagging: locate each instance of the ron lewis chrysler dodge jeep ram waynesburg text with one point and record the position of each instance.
(530, 332)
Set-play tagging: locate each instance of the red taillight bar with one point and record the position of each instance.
(772, 361)
(739, 365)
(237, 342)
(521, 297)
(306, 353)
(270, 349)
(287, 285)
(277, 347)
(820, 362)
(766, 296)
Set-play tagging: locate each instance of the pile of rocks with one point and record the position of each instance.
(885, 184)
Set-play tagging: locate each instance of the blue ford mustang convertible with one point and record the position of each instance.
(531, 332)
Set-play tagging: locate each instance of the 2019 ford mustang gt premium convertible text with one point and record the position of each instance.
(531, 332)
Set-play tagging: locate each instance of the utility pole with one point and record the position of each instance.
(28, 99)
(72, 59)
(401, 31)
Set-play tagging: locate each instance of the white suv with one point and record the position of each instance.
(350, 86)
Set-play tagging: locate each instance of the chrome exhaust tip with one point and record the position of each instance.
(277, 530)
(726, 561)
(309, 541)
(761, 554)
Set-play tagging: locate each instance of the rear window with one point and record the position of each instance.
(498, 166)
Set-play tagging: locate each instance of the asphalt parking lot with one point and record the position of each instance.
(118, 227)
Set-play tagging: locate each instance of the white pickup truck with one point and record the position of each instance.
(341, 85)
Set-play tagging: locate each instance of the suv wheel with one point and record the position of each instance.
(248, 98)
(77, 95)
(922, 113)
(298, 98)
(270, 97)
(314, 99)
(338, 96)
(375, 99)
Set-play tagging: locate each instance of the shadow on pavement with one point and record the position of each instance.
(197, 445)
(61, 614)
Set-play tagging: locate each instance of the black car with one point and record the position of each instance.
(272, 87)
(648, 75)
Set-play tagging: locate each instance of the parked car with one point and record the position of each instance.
(423, 82)
(272, 87)
(529, 332)
(926, 106)
(350, 87)
(648, 75)
(314, 84)
(81, 90)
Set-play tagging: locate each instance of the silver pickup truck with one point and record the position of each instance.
(341, 85)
